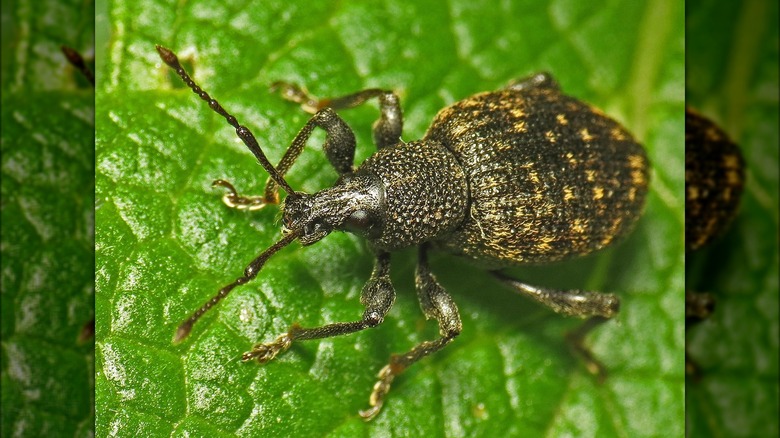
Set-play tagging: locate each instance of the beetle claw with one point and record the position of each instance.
(264, 353)
(233, 200)
(381, 388)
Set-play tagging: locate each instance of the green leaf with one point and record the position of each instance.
(47, 243)
(733, 78)
(166, 243)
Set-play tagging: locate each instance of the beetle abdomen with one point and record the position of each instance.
(549, 177)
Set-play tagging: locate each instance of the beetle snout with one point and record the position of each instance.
(296, 212)
(300, 215)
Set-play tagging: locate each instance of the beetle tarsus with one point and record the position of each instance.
(233, 200)
(265, 353)
(576, 338)
(298, 94)
(381, 388)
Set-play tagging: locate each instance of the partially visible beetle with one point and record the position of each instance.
(714, 180)
(524, 174)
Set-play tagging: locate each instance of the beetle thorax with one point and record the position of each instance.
(425, 193)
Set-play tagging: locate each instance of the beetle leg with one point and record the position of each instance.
(599, 307)
(536, 80)
(339, 147)
(378, 297)
(387, 129)
(698, 307)
(576, 338)
(436, 304)
(233, 200)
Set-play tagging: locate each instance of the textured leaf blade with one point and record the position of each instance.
(510, 372)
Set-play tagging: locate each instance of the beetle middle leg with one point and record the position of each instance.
(436, 303)
(598, 307)
(339, 148)
(536, 80)
(387, 129)
(378, 297)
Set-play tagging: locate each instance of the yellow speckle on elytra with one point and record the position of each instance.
(517, 113)
(578, 226)
(636, 161)
(731, 161)
(638, 177)
(693, 193)
(733, 177)
(617, 134)
(585, 135)
(567, 194)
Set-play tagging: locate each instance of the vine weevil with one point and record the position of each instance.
(520, 175)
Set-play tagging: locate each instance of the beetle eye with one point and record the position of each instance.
(312, 227)
(358, 220)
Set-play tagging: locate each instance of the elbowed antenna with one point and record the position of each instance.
(243, 132)
(250, 272)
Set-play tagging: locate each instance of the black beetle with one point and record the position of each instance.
(524, 174)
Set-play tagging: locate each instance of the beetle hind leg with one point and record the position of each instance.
(576, 339)
(698, 307)
(436, 304)
(597, 307)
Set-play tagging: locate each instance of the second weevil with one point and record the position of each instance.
(520, 175)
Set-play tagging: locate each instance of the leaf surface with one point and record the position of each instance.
(166, 243)
(733, 79)
(47, 243)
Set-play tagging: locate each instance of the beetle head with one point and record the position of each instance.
(354, 204)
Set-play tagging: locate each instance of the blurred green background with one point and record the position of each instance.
(732, 78)
(47, 235)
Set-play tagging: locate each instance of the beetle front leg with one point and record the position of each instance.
(339, 147)
(598, 307)
(233, 200)
(436, 304)
(378, 297)
(386, 130)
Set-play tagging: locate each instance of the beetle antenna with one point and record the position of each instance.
(243, 132)
(75, 59)
(250, 272)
